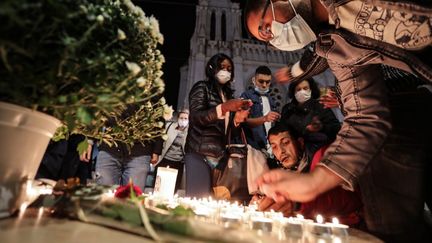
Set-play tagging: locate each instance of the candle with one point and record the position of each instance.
(165, 182)
(319, 228)
(337, 229)
(261, 224)
(231, 220)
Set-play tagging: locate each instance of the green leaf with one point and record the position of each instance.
(82, 147)
(84, 116)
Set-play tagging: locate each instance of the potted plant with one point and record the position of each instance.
(83, 62)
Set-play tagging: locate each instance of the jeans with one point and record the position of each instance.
(198, 176)
(112, 170)
(384, 145)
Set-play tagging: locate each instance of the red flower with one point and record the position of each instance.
(125, 191)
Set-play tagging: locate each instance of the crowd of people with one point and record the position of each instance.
(370, 170)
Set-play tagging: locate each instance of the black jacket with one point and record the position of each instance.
(206, 134)
(301, 116)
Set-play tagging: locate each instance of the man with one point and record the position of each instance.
(378, 146)
(295, 155)
(173, 148)
(263, 112)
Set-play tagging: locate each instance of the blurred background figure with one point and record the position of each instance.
(173, 148)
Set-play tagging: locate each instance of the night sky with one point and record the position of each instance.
(177, 23)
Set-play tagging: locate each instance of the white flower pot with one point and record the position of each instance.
(24, 137)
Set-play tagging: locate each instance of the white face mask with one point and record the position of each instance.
(261, 91)
(223, 76)
(293, 35)
(303, 95)
(183, 123)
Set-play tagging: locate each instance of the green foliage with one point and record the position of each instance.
(85, 62)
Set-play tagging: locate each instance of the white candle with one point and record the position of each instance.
(337, 229)
(165, 182)
(319, 228)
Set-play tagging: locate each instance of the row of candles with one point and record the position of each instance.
(233, 215)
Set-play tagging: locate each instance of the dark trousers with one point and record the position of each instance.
(178, 165)
(198, 176)
(397, 181)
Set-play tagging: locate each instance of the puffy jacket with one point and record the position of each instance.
(206, 134)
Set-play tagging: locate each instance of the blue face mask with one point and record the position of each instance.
(262, 91)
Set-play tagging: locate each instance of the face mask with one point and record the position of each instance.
(293, 35)
(303, 95)
(183, 123)
(223, 76)
(261, 91)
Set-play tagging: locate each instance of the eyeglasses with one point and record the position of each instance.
(265, 34)
(261, 81)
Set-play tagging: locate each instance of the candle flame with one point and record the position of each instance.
(319, 219)
(335, 220)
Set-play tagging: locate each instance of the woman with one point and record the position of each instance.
(210, 102)
(318, 125)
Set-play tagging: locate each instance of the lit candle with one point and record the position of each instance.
(261, 224)
(319, 228)
(165, 182)
(337, 229)
(231, 220)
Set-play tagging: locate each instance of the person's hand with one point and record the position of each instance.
(283, 75)
(283, 186)
(240, 116)
(329, 100)
(271, 116)
(236, 105)
(267, 204)
(86, 156)
(315, 125)
(154, 159)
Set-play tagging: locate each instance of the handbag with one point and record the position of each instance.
(230, 176)
(256, 166)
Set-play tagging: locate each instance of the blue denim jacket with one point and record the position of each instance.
(258, 133)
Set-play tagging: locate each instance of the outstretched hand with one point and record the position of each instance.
(283, 186)
(329, 100)
(236, 105)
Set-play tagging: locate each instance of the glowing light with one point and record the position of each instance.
(319, 219)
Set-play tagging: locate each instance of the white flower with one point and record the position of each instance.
(133, 67)
(159, 83)
(162, 101)
(167, 112)
(159, 124)
(100, 19)
(121, 34)
(141, 82)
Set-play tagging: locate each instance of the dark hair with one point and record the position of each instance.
(315, 93)
(263, 70)
(281, 127)
(214, 65)
(252, 6)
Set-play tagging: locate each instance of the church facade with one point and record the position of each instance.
(218, 28)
